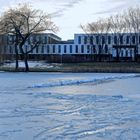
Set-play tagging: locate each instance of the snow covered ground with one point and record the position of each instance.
(32, 64)
(71, 106)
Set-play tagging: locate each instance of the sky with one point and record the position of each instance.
(69, 14)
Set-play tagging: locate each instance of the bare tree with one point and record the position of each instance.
(22, 22)
(100, 29)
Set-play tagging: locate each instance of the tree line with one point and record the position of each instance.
(126, 22)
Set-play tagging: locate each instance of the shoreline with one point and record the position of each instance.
(95, 67)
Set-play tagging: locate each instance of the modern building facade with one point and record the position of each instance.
(83, 48)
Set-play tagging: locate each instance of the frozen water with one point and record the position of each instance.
(42, 106)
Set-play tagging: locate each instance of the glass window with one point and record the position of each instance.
(65, 49)
(85, 40)
(106, 49)
(88, 49)
(53, 48)
(91, 39)
(127, 39)
(97, 39)
(79, 39)
(103, 40)
(133, 39)
(70, 48)
(48, 49)
(109, 39)
(42, 49)
(82, 49)
(59, 49)
(45, 39)
(115, 39)
(121, 39)
(76, 49)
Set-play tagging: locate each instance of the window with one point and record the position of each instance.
(133, 39)
(103, 40)
(97, 39)
(85, 40)
(65, 49)
(139, 39)
(91, 39)
(127, 39)
(106, 49)
(88, 49)
(70, 48)
(48, 49)
(79, 39)
(109, 39)
(94, 49)
(76, 49)
(121, 39)
(42, 49)
(115, 39)
(82, 49)
(53, 48)
(45, 40)
(59, 49)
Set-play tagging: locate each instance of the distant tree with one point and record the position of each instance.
(23, 21)
(133, 24)
(100, 28)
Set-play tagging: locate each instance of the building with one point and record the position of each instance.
(83, 48)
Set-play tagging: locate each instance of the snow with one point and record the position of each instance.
(42, 106)
(32, 64)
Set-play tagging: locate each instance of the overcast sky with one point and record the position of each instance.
(69, 14)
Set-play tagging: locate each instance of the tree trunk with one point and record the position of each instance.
(17, 64)
(26, 63)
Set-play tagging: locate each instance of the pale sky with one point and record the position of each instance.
(69, 14)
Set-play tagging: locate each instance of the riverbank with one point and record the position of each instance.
(105, 67)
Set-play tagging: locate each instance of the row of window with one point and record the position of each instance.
(59, 49)
(108, 39)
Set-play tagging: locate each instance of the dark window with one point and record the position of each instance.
(91, 39)
(53, 48)
(48, 49)
(127, 39)
(79, 39)
(139, 39)
(109, 39)
(121, 39)
(82, 49)
(59, 49)
(115, 39)
(94, 49)
(97, 39)
(45, 40)
(133, 39)
(70, 48)
(76, 49)
(85, 40)
(103, 40)
(106, 49)
(65, 49)
(42, 49)
(126, 53)
(88, 49)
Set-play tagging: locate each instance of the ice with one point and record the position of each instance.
(42, 106)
